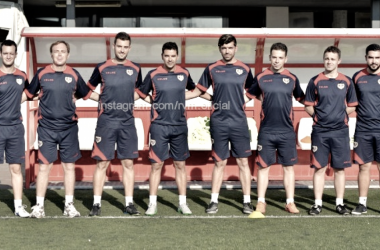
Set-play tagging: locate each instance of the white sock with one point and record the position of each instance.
(128, 199)
(97, 200)
(153, 199)
(261, 200)
(182, 199)
(68, 199)
(18, 203)
(40, 201)
(318, 202)
(246, 198)
(339, 201)
(290, 200)
(214, 197)
(363, 200)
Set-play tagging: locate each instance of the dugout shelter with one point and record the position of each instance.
(197, 48)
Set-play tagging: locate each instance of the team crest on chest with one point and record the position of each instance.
(239, 71)
(286, 80)
(129, 72)
(152, 142)
(98, 139)
(19, 81)
(259, 147)
(180, 77)
(68, 79)
(378, 81)
(356, 144)
(315, 148)
(340, 85)
(40, 143)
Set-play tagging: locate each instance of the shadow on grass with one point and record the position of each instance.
(198, 197)
(7, 198)
(138, 198)
(201, 197)
(55, 198)
(51, 195)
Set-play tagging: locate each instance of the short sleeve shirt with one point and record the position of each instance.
(118, 84)
(277, 91)
(168, 93)
(367, 88)
(228, 82)
(330, 97)
(11, 88)
(57, 94)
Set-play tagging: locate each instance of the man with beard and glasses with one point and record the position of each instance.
(229, 77)
(367, 132)
(119, 78)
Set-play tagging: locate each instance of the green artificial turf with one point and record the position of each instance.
(228, 229)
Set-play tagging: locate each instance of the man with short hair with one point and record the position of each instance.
(168, 84)
(367, 131)
(59, 86)
(118, 78)
(228, 77)
(275, 87)
(12, 84)
(330, 98)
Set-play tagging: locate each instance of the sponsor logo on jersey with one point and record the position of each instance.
(356, 144)
(239, 71)
(40, 143)
(98, 139)
(19, 81)
(162, 79)
(68, 79)
(220, 71)
(315, 148)
(286, 80)
(259, 147)
(152, 142)
(180, 77)
(364, 82)
(129, 72)
(3, 83)
(340, 85)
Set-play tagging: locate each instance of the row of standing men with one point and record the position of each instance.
(330, 97)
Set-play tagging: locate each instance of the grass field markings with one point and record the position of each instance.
(200, 217)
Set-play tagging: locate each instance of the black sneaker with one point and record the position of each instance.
(131, 209)
(315, 210)
(342, 209)
(96, 210)
(247, 208)
(212, 208)
(359, 209)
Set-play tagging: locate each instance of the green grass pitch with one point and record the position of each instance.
(228, 229)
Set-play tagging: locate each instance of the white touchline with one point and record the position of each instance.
(203, 217)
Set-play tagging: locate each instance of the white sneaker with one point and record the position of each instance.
(70, 211)
(152, 209)
(21, 212)
(184, 209)
(37, 212)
